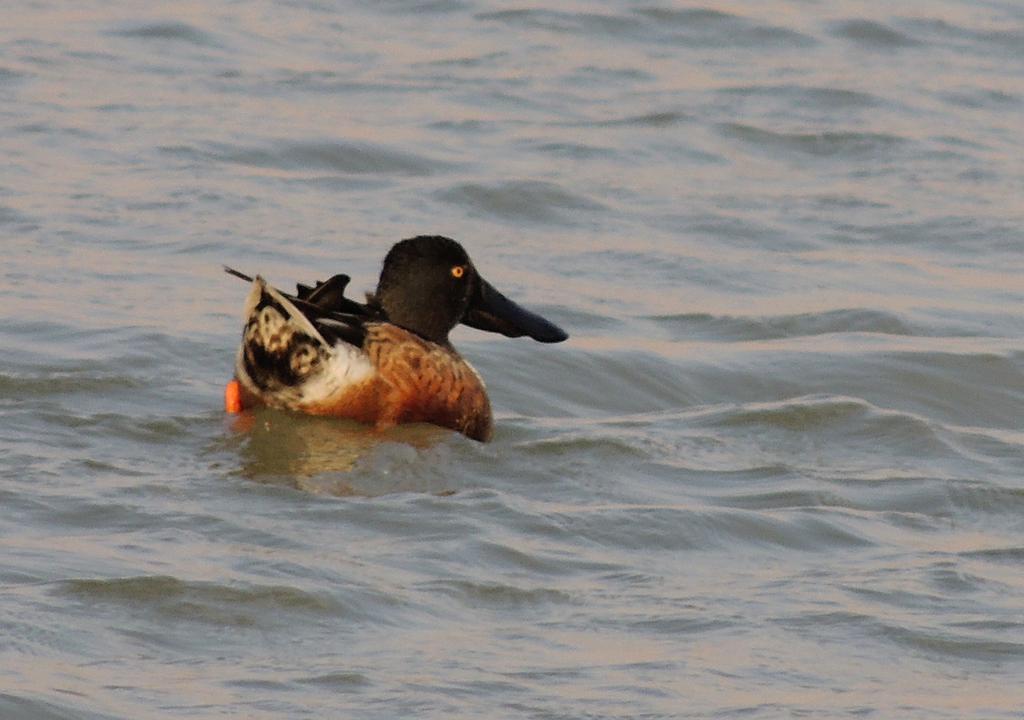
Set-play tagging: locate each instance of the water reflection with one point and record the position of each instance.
(334, 457)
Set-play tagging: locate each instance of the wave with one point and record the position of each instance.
(355, 158)
(711, 27)
(872, 34)
(201, 602)
(22, 707)
(844, 144)
(495, 596)
(522, 200)
(689, 326)
(813, 96)
(973, 40)
(171, 30)
(695, 27)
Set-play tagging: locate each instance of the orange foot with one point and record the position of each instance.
(233, 397)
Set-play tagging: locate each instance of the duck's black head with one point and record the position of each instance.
(428, 285)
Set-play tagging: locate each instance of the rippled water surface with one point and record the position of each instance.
(776, 471)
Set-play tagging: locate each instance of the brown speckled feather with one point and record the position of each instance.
(427, 382)
(415, 381)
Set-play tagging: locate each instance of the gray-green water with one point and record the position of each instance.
(777, 471)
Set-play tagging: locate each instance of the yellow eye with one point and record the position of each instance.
(458, 271)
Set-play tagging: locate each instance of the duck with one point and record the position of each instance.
(382, 362)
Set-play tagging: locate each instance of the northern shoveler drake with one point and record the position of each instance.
(385, 361)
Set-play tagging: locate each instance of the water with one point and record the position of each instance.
(777, 470)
